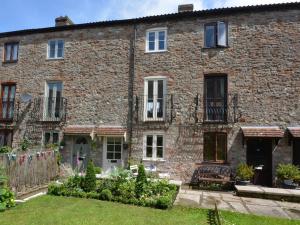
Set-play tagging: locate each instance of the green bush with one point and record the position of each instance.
(90, 178)
(287, 172)
(244, 172)
(141, 181)
(7, 199)
(97, 169)
(164, 202)
(25, 144)
(5, 149)
(106, 195)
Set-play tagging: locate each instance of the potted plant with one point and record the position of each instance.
(244, 174)
(287, 174)
(62, 144)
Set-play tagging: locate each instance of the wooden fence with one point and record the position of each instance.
(26, 171)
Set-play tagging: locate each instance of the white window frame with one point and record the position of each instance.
(121, 153)
(154, 146)
(46, 96)
(217, 38)
(155, 90)
(56, 49)
(156, 41)
(51, 136)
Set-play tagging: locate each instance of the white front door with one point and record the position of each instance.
(113, 153)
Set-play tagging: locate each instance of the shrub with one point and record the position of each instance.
(98, 170)
(244, 172)
(90, 178)
(5, 149)
(7, 199)
(106, 195)
(25, 144)
(141, 181)
(164, 202)
(75, 182)
(287, 172)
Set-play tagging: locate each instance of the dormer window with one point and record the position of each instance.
(215, 35)
(156, 40)
(56, 49)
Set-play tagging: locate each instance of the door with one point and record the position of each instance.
(80, 154)
(113, 152)
(296, 152)
(53, 100)
(259, 154)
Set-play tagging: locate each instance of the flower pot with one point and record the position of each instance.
(289, 184)
(243, 182)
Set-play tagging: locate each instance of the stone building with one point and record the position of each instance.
(175, 91)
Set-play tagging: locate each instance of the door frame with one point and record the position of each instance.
(294, 149)
(104, 158)
(270, 155)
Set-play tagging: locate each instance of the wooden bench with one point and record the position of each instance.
(211, 173)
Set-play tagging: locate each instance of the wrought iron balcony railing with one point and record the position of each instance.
(154, 108)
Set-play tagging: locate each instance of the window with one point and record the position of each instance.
(53, 101)
(156, 40)
(215, 35)
(51, 137)
(114, 148)
(215, 147)
(55, 49)
(215, 98)
(5, 138)
(8, 101)
(155, 95)
(11, 52)
(154, 147)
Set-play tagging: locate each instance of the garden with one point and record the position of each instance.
(120, 186)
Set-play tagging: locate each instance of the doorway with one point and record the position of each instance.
(296, 152)
(113, 153)
(80, 154)
(259, 155)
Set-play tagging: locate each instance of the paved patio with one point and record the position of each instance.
(229, 201)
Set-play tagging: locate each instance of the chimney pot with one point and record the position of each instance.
(63, 21)
(186, 8)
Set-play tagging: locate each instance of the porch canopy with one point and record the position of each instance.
(294, 131)
(100, 131)
(266, 131)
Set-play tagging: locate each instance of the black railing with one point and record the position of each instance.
(53, 109)
(215, 110)
(154, 108)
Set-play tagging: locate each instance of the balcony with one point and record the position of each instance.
(215, 110)
(7, 110)
(53, 109)
(154, 108)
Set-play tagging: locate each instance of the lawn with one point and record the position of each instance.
(50, 210)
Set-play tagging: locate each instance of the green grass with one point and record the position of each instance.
(50, 210)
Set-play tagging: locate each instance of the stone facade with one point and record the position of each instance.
(261, 63)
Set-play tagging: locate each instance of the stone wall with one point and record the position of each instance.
(262, 65)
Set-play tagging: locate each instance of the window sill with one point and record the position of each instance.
(212, 163)
(214, 122)
(54, 59)
(216, 48)
(6, 120)
(10, 62)
(158, 51)
(154, 160)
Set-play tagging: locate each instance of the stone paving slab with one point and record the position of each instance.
(229, 201)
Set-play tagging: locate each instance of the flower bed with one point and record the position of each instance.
(120, 187)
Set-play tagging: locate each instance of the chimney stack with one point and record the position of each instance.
(63, 21)
(186, 8)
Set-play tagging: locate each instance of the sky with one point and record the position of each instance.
(27, 14)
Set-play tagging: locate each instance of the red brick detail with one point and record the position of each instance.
(262, 132)
(294, 131)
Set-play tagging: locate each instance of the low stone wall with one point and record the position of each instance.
(29, 170)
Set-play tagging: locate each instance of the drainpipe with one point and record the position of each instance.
(130, 89)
